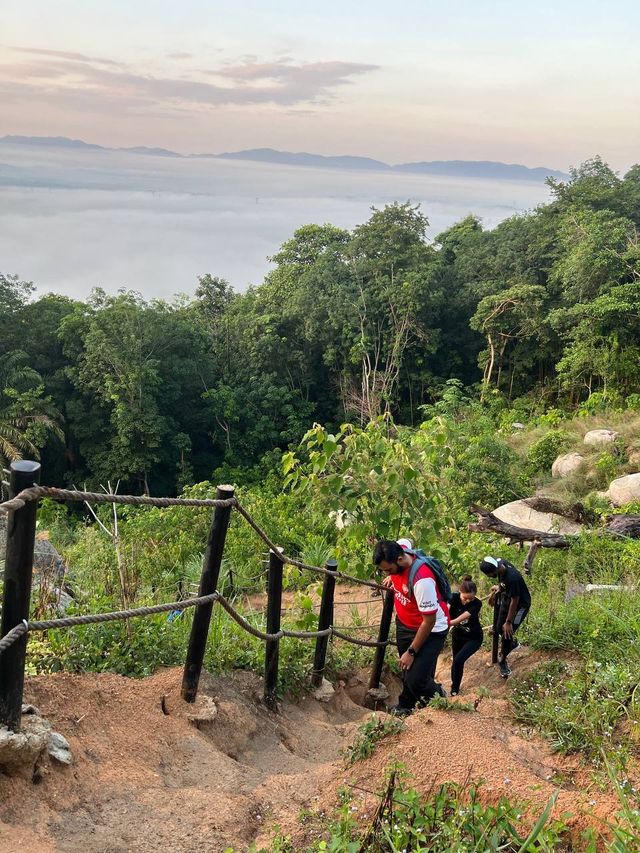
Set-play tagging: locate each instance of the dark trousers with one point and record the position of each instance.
(462, 647)
(419, 681)
(518, 619)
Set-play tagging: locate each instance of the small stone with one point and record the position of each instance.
(59, 749)
(517, 425)
(379, 693)
(31, 709)
(325, 692)
(204, 712)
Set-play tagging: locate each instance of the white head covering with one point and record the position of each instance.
(406, 544)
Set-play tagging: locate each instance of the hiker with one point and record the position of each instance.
(511, 582)
(466, 630)
(422, 620)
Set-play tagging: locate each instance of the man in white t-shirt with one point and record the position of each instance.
(422, 623)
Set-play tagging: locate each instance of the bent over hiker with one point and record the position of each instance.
(422, 620)
(513, 585)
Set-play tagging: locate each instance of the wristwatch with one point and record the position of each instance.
(412, 651)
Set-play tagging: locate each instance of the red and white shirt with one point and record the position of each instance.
(426, 599)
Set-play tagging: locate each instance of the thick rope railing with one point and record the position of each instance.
(113, 616)
(36, 492)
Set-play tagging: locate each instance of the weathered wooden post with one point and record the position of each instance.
(325, 619)
(208, 583)
(272, 651)
(18, 569)
(383, 636)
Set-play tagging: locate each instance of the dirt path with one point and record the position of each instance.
(144, 778)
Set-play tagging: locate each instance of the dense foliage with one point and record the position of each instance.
(373, 385)
(347, 326)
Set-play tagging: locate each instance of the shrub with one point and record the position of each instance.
(543, 452)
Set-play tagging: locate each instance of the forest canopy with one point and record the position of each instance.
(346, 326)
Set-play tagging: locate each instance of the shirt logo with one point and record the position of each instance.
(405, 589)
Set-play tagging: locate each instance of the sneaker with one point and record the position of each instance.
(399, 711)
(453, 693)
(505, 670)
(441, 691)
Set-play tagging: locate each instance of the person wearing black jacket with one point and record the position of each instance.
(511, 582)
(466, 630)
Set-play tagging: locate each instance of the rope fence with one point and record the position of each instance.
(116, 615)
(34, 493)
(24, 485)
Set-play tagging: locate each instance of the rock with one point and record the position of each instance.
(379, 693)
(325, 692)
(59, 749)
(517, 425)
(31, 709)
(624, 490)
(22, 753)
(520, 514)
(203, 713)
(597, 437)
(566, 464)
(582, 589)
(634, 457)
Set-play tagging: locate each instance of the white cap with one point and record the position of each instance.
(406, 544)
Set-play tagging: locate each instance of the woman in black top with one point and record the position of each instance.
(466, 634)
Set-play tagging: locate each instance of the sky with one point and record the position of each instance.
(543, 84)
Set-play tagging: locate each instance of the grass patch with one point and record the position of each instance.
(369, 736)
(450, 818)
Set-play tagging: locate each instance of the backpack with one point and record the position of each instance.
(442, 581)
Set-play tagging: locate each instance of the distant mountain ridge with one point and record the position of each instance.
(452, 168)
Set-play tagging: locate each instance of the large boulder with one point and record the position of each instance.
(624, 490)
(520, 514)
(566, 464)
(598, 437)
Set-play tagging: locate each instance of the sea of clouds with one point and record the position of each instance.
(72, 220)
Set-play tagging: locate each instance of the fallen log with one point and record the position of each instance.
(624, 525)
(487, 521)
(616, 525)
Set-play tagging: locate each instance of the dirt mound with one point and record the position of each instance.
(145, 778)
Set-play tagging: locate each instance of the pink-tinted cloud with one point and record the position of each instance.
(65, 54)
(78, 79)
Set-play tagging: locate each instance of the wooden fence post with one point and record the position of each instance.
(325, 619)
(18, 570)
(383, 636)
(208, 583)
(272, 650)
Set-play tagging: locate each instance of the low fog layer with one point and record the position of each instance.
(74, 220)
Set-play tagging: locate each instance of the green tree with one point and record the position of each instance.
(27, 417)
